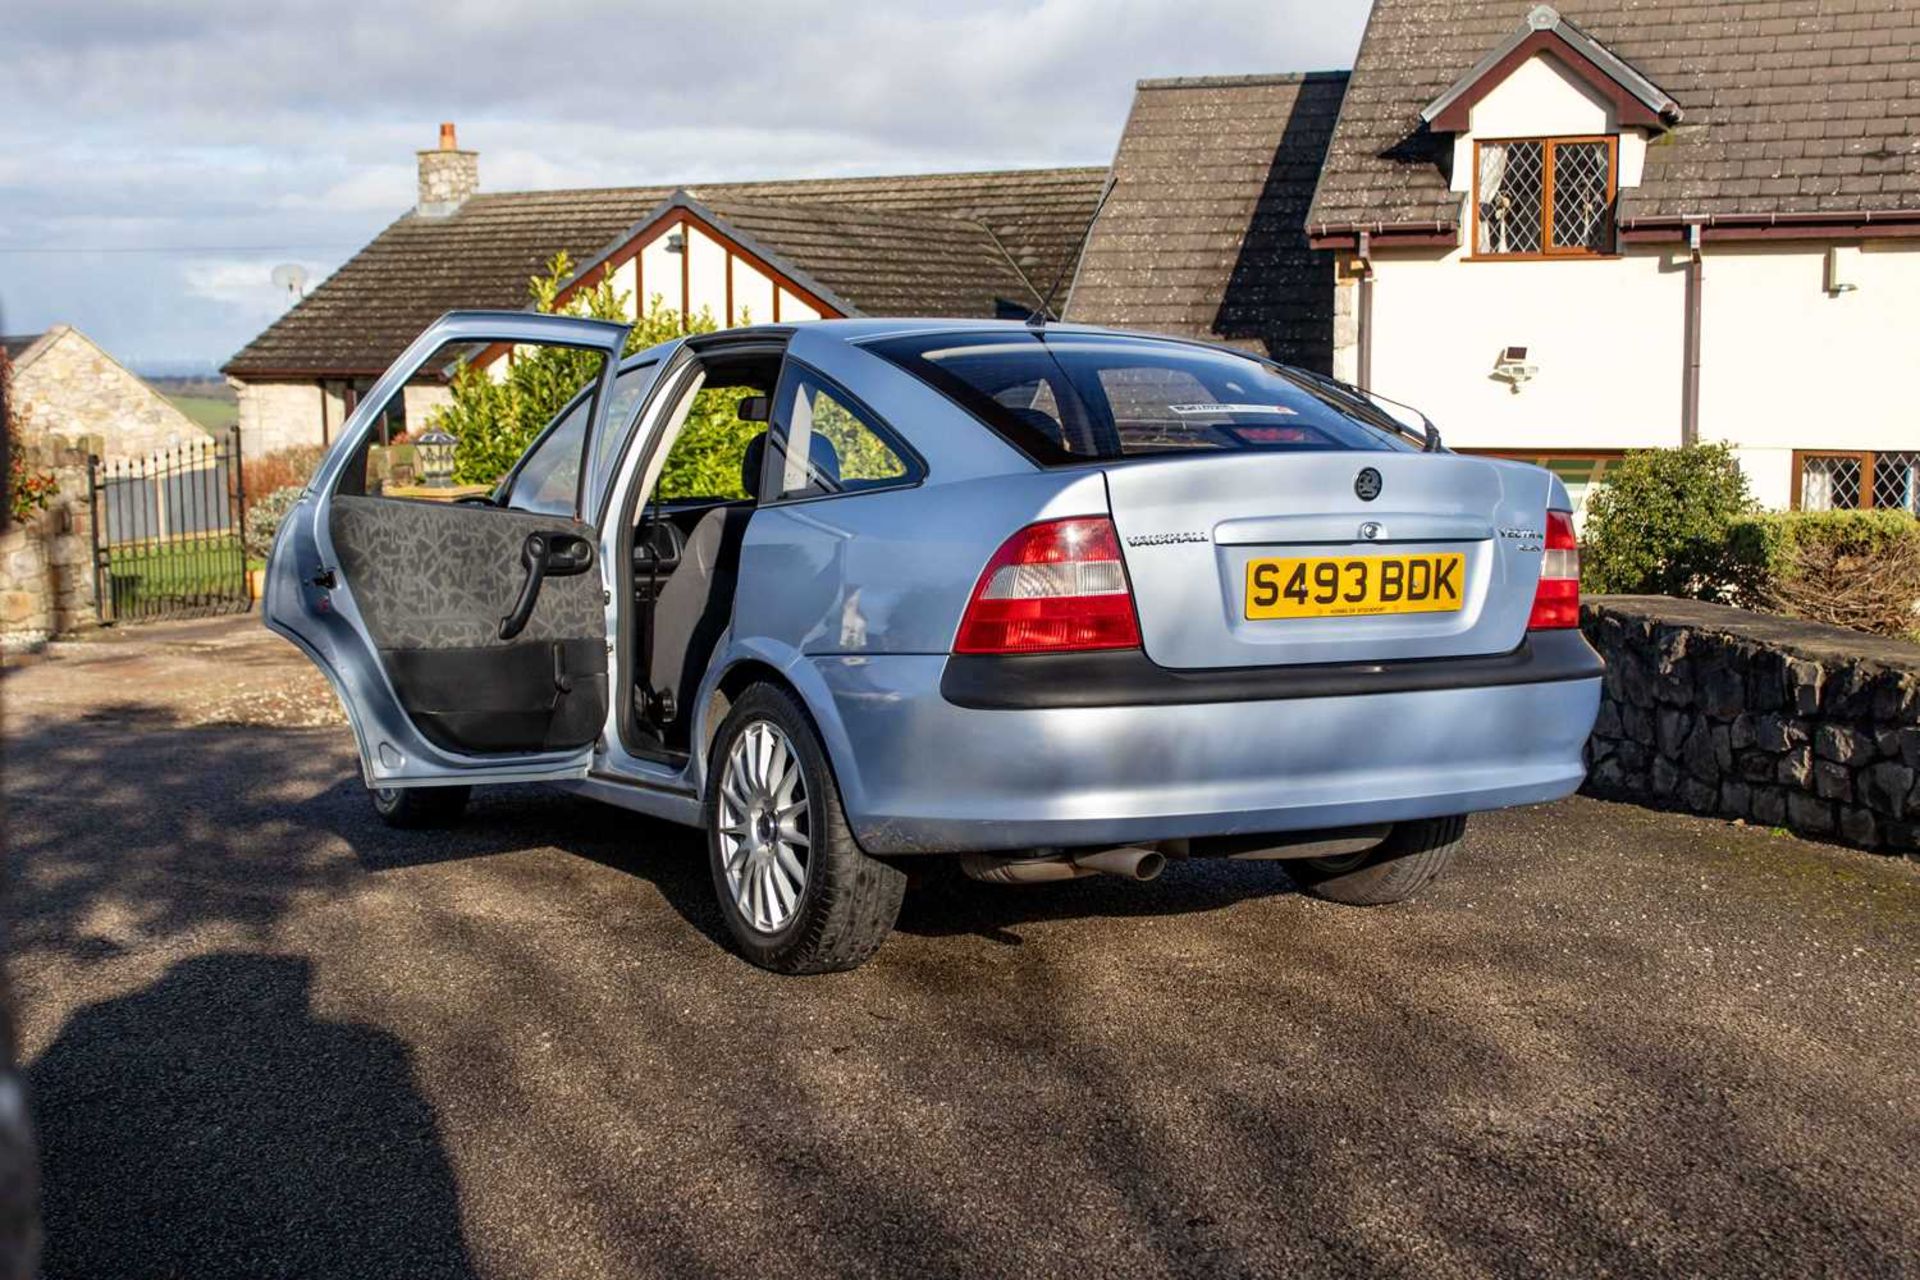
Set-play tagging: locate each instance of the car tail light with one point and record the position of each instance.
(1054, 586)
(1556, 602)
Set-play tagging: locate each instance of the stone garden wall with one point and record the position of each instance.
(46, 560)
(1771, 720)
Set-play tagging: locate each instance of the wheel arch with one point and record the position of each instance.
(748, 663)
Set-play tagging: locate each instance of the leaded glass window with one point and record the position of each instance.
(1539, 196)
(1885, 480)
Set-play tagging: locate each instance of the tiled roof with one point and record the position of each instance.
(1790, 106)
(1203, 235)
(921, 244)
(888, 263)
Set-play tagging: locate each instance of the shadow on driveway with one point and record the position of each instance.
(1610, 1042)
(210, 1124)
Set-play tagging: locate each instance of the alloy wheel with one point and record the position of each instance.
(763, 826)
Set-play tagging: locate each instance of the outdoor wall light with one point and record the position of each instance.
(435, 450)
(676, 242)
(1514, 369)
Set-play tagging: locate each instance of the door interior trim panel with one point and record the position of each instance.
(433, 581)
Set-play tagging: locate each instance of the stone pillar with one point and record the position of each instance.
(1346, 318)
(46, 560)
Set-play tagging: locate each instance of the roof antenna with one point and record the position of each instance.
(1038, 319)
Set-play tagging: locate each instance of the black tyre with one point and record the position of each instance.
(1411, 857)
(799, 896)
(413, 808)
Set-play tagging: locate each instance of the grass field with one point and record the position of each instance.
(213, 413)
(188, 574)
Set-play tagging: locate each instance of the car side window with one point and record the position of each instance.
(707, 460)
(548, 481)
(622, 404)
(823, 442)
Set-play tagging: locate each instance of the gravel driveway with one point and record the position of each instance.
(266, 1036)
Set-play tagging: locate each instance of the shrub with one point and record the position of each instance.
(494, 421)
(283, 467)
(28, 490)
(1661, 525)
(263, 519)
(1858, 569)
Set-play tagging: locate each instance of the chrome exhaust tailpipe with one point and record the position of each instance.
(1128, 864)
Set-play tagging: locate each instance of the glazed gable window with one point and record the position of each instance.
(1544, 197)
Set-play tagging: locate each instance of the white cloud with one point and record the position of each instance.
(245, 284)
(259, 133)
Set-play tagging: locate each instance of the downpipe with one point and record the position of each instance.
(1127, 864)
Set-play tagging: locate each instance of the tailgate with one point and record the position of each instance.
(1259, 559)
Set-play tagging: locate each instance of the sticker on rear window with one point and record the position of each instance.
(1277, 435)
(1233, 408)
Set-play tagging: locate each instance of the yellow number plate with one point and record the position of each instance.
(1354, 586)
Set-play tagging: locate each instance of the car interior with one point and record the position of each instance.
(687, 536)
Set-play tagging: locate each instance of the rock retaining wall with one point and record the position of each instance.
(1770, 720)
(46, 560)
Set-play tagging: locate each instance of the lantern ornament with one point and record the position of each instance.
(435, 448)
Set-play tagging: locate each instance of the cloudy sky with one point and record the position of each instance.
(159, 160)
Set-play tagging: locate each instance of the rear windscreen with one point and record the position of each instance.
(1063, 398)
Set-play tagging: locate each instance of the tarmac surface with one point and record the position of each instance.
(264, 1035)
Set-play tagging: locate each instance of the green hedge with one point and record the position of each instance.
(1775, 540)
(1681, 522)
(1858, 569)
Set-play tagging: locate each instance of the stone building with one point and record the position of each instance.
(71, 400)
(65, 385)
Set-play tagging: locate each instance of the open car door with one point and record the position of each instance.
(466, 640)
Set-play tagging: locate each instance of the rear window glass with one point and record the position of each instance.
(1063, 398)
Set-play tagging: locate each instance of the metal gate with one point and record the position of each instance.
(167, 533)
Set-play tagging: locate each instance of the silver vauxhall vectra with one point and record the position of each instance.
(1059, 601)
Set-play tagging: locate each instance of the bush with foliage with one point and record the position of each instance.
(704, 461)
(281, 468)
(494, 420)
(1662, 522)
(1858, 569)
(28, 490)
(264, 515)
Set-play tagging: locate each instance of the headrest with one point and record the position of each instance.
(1040, 420)
(750, 465)
(820, 451)
(825, 458)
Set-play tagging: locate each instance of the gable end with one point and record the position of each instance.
(1636, 100)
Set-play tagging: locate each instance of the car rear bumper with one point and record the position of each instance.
(919, 773)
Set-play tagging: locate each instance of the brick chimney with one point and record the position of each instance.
(448, 176)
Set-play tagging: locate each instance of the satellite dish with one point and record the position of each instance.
(291, 279)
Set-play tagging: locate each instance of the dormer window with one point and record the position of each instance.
(1544, 197)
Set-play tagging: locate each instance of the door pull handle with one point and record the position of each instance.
(533, 557)
(560, 554)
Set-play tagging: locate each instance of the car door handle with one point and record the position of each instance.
(544, 554)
